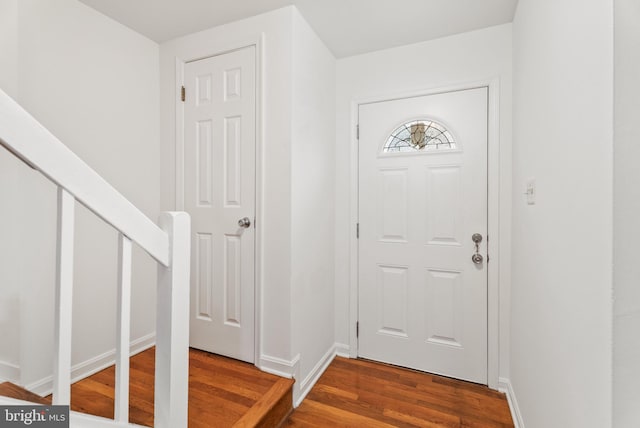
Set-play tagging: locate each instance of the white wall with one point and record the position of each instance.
(9, 46)
(312, 202)
(562, 245)
(94, 84)
(274, 134)
(626, 204)
(463, 58)
(10, 169)
(296, 130)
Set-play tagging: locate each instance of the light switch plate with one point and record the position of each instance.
(530, 191)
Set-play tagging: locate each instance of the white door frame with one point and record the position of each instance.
(493, 205)
(258, 42)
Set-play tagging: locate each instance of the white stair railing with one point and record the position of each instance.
(64, 299)
(167, 243)
(172, 325)
(121, 395)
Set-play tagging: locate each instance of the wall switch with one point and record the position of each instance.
(530, 191)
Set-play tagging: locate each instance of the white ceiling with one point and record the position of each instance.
(348, 27)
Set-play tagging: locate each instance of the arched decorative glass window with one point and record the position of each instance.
(419, 135)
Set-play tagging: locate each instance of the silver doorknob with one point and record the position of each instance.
(477, 259)
(244, 222)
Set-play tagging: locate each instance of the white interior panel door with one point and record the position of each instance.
(422, 196)
(219, 177)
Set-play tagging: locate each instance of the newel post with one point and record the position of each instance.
(172, 325)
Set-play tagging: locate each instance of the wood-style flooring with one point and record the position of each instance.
(8, 389)
(351, 393)
(360, 393)
(222, 392)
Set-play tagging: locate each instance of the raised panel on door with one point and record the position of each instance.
(203, 276)
(442, 308)
(232, 281)
(233, 161)
(219, 189)
(204, 163)
(393, 288)
(392, 209)
(422, 302)
(443, 195)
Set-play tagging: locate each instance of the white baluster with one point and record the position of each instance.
(64, 299)
(123, 330)
(172, 326)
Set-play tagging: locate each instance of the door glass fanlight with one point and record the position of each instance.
(419, 135)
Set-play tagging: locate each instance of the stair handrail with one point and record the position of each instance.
(168, 243)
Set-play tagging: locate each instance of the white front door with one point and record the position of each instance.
(219, 191)
(422, 196)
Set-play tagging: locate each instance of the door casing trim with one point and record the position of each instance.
(258, 42)
(494, 273)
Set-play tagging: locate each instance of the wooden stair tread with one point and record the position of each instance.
(8, 389)
(272, 409)
(221, 391)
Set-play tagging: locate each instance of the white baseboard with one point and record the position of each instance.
(504, 385)
(291, 370)
(87, 368)
(278, 366)
(301, 389)
(343, 350)
(9, 372)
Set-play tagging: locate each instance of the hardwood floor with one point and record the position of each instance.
(351, 393)
(222, 392)
(359, 393)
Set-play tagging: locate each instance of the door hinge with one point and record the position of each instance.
(183, 94)
(357, 131)
(357, 230)
(357, 329)
(488, 258)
